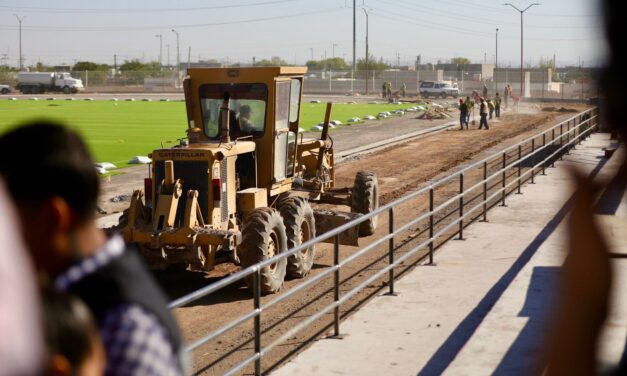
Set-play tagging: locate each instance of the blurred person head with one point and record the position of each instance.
(74, 345)
(51, 178)
(21, 339)
(245, 111)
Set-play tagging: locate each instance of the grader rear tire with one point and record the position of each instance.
(365, 199)
(300, 226)
(263, 237)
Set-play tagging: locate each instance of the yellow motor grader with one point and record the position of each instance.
(239, 187)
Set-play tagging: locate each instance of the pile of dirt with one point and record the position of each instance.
(435, 113)
(561, 109)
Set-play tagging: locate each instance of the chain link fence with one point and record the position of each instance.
(537, 83)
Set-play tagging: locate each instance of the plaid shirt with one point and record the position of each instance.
(135, 341)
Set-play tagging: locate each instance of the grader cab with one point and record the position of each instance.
(241, 186)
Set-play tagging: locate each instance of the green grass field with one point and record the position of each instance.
(117, 131)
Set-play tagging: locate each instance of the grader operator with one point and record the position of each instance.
(241, 184)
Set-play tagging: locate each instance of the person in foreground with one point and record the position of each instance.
(52, 180)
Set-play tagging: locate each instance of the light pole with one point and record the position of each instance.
(354, 44)
(160, 49)
(496, 63)
(167, 46)
(19, 20)
(366, 50)
(521, 41)
(178, 56)
(311, 50)
(334, 45)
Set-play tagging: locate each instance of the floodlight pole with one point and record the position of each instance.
(521, 41)
(19, 20)
(178, 57)
(160, 36)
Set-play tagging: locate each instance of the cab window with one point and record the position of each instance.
(247, 108)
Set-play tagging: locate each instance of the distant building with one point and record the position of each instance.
(481, 71)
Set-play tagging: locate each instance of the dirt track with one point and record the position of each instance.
(399, 169)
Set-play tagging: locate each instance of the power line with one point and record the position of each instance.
(160, 27)
(451, 15)
(136, 10)
(409, 20)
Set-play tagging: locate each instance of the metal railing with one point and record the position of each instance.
(491, 180)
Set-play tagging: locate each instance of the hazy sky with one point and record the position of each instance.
(65, 31)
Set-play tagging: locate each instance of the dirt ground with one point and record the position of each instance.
(400, 169)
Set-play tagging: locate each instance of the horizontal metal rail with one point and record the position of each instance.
(580, 129)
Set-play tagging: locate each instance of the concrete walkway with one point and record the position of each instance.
(482, 309)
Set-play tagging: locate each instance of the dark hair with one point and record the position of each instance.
(69, 327)
(41, 159)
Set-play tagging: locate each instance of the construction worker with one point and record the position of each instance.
(507, 94)
(497, 105)
(483, 113)
(463, 115)
(490, 106)
(384, 89)
(470, 104)
(403, 90)
(389, 89)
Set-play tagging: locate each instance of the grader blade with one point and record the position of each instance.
(327, 220)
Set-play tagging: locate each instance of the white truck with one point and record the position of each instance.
(40, 82)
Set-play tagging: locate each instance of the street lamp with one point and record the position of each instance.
(521, 41)
(178, 56)
(160, 49)
(19, 20)
(366, 50)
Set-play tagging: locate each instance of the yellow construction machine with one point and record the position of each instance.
(240, 186)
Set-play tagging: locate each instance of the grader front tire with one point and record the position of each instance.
(300, 227)
(365, 199)
(263, 237)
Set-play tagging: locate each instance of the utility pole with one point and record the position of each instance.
(160, 36)
(521, 42)
(19, 20)
(115, 64)
(167, 46)
(334, 45)
(496, 63)
(354, 42)
(189, 57)
(366, 50)
(178, 57)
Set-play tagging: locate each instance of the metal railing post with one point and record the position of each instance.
(485, 191)
(519, 168)
(461, 206)
(391, 251)
(503, 178)
(543, 160)
(533, 160)
(561, 141)
(431, 225)
(257, 320)
(336, 285)
(568, 137)
(553, 144)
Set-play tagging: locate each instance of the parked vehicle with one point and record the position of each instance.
(40, 82)
(438, 89)
(5, 89)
